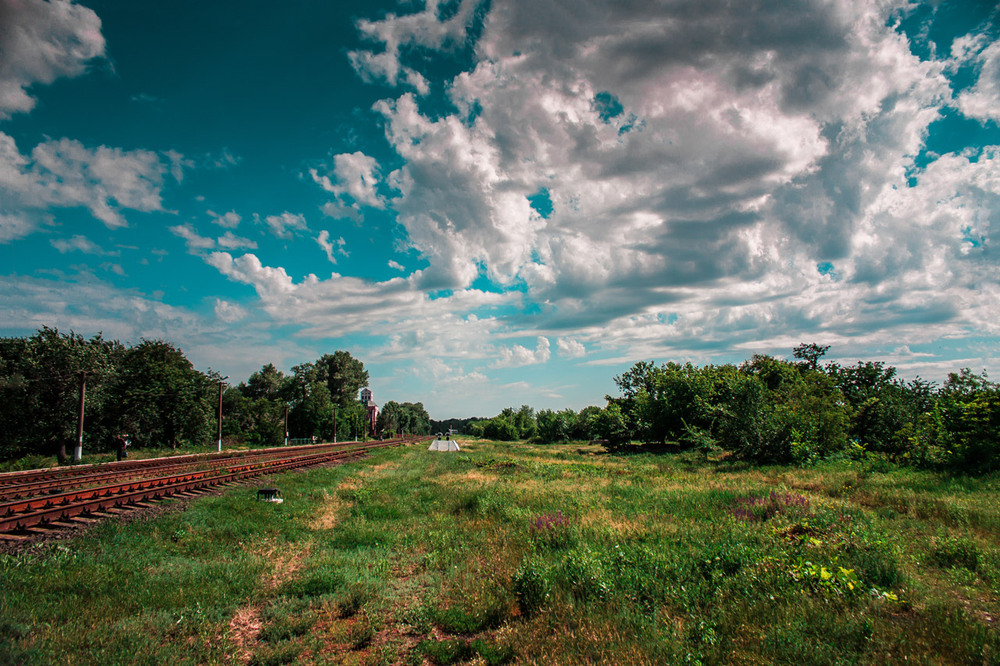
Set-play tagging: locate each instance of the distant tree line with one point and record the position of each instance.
(404, 417)
(772, 410)
(458, 425)
(545, 426)
(151, 393)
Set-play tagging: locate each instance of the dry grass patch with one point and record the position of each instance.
(605, 519)
(330, 512)
(244, 628)
(378, 469)
(472, 476)
(351, 483)
(285, 559)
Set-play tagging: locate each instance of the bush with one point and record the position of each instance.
(532, 585)
(955, 552)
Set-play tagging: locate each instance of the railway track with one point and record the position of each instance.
(38, 482)
(59, 498)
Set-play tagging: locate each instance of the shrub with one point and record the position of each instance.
(532, 585)
(955, 552)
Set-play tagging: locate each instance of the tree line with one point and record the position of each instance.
(152, 394)
(770, 410)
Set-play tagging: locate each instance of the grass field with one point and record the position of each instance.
(530, 554)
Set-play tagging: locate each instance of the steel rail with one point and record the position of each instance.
(34, 487)
(9, 478)
(23, 514)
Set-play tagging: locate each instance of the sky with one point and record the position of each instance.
(506, 202)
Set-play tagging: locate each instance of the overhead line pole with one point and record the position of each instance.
(218, 442)
(78, 452)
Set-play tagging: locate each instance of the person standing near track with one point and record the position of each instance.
(121, 442)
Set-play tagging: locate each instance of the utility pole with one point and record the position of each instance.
(78, 452)
(218, 442)
(286, 425)
(336, 424)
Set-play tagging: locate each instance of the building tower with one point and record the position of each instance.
(368, 400)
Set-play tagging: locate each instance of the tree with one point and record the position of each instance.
(555, 426)
(612, 427)
(313, 414)
(343, 374)
(585, 423)
(810, 354)
(880, 405)
(268, 382)
(40, 380)
(389, 418)
(162, 399)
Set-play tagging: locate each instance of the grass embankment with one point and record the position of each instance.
(514, 553)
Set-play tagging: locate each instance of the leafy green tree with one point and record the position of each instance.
(313, 414)
(585, 423)
(419, 419)
(407, 417)
(390, 418)
(162, 399)
(524, 421)
(555, 426)
(880, 408)
(810, 354)
(268, 382)
(40, 390)
(343, 375)
(612, 426)
(500, 429)
(971, 416)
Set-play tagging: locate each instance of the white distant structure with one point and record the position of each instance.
(446, 444)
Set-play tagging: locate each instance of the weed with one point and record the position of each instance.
(532, 585)
(832, 580)
(582, 572)
(361, 633)
(452, 651)
(353, 599)
(552, 531)
(449, 651)
(950, 551)
(482, 502)
(275, 655)
(459, 620)
(315, 583)
(755, 508)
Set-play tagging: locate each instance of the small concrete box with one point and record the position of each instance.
(269, 495)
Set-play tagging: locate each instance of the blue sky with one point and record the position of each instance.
(506, 202)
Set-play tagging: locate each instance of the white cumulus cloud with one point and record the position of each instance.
(41, 41)
(284, 225)
(517, 355)
(571, 348)
(356, 175)
(331, 248)
(229, 220)
(65, 173)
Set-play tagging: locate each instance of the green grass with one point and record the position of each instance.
(508, 553)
